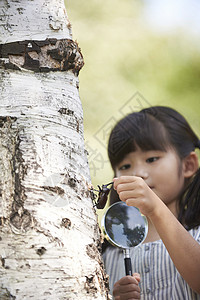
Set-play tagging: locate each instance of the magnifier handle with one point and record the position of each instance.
(128, 266)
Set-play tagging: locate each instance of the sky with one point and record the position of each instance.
(166, 15)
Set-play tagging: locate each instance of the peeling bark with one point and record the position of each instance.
(49, 237)
(42, 56)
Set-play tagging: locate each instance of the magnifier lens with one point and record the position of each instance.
(124, 226)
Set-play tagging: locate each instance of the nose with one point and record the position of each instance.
(140, 172)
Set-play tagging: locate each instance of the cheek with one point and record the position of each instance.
(172, 186)
(170, 182)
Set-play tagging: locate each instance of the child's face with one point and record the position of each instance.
(162, 172)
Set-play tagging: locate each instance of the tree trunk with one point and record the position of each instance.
(49, 237)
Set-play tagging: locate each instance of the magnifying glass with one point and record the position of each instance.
(124, 227)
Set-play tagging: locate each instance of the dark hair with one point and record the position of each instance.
(158, 128)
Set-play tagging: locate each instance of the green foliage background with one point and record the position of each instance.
(124, 56)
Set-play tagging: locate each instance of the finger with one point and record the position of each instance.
(122, 179)
(126, 186)
(130, 296)
(125, 195)
(127, 280)
(133, 183)
(133, 202)
(129, 288)
(125, 283)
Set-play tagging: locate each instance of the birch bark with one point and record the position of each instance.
(49, 237)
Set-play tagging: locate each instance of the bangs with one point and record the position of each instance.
(136, 130)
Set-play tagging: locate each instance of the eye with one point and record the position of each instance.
(152, 159)
(125, 167)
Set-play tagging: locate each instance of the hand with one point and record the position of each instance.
(127, 288)
(135, 192)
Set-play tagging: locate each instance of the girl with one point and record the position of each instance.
(156, 169)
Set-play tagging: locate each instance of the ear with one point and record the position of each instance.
(190, 165)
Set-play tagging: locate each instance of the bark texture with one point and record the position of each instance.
(49, 237)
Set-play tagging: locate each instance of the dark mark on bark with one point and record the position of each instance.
(90, 284)
(2, 221)
(20, 10)
(30, 63)
(5, 294)
(92, 251)
(5, 119)
(74, 121)
(58, 190)
(41, 251)
(72, 182)
(3, 262)
(11, 66)
(19, 218)
(66, 223)
(66, 111)
(42, 56)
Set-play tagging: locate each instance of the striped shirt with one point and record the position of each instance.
(160, 280)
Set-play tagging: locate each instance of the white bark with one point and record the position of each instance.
(49, 236)
(26, 19)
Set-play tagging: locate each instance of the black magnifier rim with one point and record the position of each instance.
(109, 239)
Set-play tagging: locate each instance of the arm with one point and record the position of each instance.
(182, 248)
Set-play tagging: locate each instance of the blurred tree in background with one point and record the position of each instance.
(130, 63)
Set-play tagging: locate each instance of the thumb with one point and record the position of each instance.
(137, 276)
